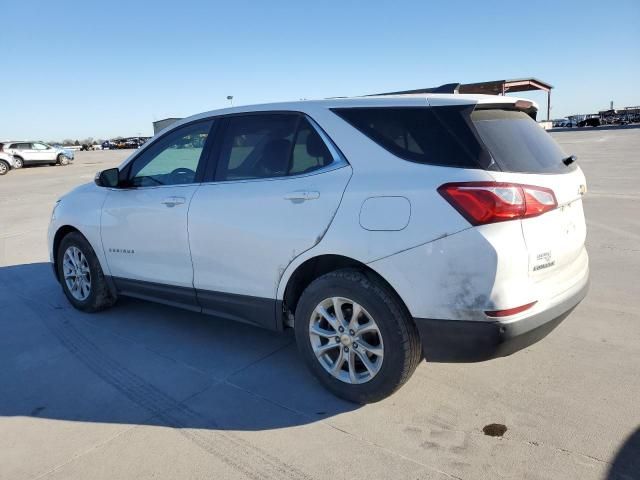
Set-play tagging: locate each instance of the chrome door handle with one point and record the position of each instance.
(301, 196)
(173, 201)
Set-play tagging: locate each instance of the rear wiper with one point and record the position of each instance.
(569, 160)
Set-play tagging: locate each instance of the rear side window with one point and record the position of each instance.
(435, 136)
(517, 143)
(270, 145)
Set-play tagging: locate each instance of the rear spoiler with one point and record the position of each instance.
(525, 106)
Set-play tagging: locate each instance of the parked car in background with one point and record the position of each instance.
(37, 153)
(7, 162)
(589, 122)
(382, 230)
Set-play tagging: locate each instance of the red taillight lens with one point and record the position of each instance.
(489, 202)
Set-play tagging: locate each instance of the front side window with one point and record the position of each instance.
(173, 159)
(39, 146)
(270, 145)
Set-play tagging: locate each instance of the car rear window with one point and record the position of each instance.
(517, 143)
(435, 136)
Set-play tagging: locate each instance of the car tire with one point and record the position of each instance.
(18, 162)
(76, 258)
(393, 348)
(63, 160)
(4, 167)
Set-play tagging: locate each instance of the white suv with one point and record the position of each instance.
(37, 153)
(382, 229)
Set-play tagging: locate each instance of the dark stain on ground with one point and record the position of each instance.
(494, 429)
(36, 411)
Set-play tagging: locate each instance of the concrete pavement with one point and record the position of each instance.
(148, 391)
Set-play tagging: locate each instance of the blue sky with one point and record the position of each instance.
(73, 69)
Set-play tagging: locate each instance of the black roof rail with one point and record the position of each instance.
(446, 88)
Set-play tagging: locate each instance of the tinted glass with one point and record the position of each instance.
(257, 146)
(517, 143)
(435, 136)
(309, 151)
(173, 159)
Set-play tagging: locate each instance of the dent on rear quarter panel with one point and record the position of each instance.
(450, 278)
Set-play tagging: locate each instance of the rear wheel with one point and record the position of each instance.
(18, 162)
(81, 275)
(63, 160)
(356, 336)
(4, 167)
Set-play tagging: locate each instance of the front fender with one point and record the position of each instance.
(81, 210)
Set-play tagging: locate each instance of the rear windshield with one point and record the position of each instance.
(459, 136)
(517, 143)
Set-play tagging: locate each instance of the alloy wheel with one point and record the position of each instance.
(346, 340)
(77, 274)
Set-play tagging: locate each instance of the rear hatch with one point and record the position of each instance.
(525, 154)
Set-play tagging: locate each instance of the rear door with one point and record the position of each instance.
(526, 154)
(277, 186)
(26, 152)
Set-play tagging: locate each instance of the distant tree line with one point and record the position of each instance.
(68, 142)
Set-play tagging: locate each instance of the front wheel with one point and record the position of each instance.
(356, 336)
(81, 275)
(63, 160)
(4, 167)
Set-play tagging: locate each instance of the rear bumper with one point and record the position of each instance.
(462, 341)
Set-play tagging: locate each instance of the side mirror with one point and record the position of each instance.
(109, 178)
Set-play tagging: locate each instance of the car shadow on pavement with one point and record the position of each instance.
(143, 363)
(626, 464)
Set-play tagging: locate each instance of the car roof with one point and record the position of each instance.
(402, 100)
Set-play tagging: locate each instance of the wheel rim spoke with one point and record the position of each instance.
(337, 309)
(377, 350)
(367, 363)
(322, 332)
(328, 317)
(337, 338)
(321, 350)
(369, 327)
(353, 321)
(337, 366)
(352, 366)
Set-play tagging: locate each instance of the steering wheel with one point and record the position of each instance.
(180, 172)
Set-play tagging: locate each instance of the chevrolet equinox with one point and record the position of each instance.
(383, 230)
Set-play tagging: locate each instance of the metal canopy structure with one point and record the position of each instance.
(502, 87)
(494, 87)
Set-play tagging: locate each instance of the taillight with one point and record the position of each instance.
(490, 202)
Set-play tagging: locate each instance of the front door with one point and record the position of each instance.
(144, 224)
(42, 153)
(277, 187)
